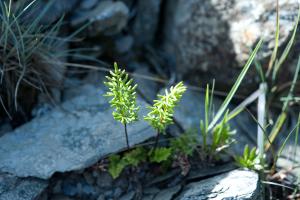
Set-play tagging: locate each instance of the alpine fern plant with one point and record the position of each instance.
(121, 90)
(161, 112)
(123, 98)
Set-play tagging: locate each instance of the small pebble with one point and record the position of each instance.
(101, 197)
(151, 190)
(109, 193)
(79, 188)
(122, 183)
(89, 178)
(57, 188)
(69, 189)
(128, 196)
(117, 193)
(104, 180)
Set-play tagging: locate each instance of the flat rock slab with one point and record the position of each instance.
(13, 188)
(167, 194)
(71, 137)
(237, 184)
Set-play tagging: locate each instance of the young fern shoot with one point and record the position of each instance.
(161, 113)
(123, 95)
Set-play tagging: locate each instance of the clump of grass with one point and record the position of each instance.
(29, 56)
(269, 91)
(250, 159)
(217, 126)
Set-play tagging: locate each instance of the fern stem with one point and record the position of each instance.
(126, 135)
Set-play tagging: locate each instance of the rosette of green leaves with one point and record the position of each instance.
(123, 96)
(161, 113)
(249, 159)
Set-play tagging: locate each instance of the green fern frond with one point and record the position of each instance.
(135, 156)
(159, 155)
(123, 96)
(161, 113)
(185, 144)
(116, 165)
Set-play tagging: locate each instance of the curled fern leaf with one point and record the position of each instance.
(123, 95)
(161, 113)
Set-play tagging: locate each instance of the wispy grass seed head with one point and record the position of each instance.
(29, 56)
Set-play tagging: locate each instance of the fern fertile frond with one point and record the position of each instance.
(123, 95)
(161, 113)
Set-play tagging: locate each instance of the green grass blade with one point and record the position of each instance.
(286, 102)
(211, 100)
(226, 102)
(285, 141)
(235, 112)
(264, 132)
(282, 117)
(287, 48)
(296, 138)
(275, 130)
(274, 53)
(259, 69)
(206, 103)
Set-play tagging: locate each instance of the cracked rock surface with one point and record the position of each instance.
(71, 137)
(13, 188)
(237, 184)
(213, 36)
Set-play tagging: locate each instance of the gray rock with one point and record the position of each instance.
(237, 184)
(104, 180)
(5, 127)
(210, 171)
(88, 4)
(108, 18)
(13, 188)
(117, 192)
(122, 183)
(168, 194)
(40, 110)
(71, 137)
(128, 196)
(148, 88)
(88, 190)
(101, 197)
(109, 194)
(88, 178)
(148, 197)
(146, 21)
(57, 187)
(217, 35)
(124, 44)
(54, 9)
(69, 188)
(163, 178)
(60, 197)
(151, 190)
(289, 158)
(191, 110)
